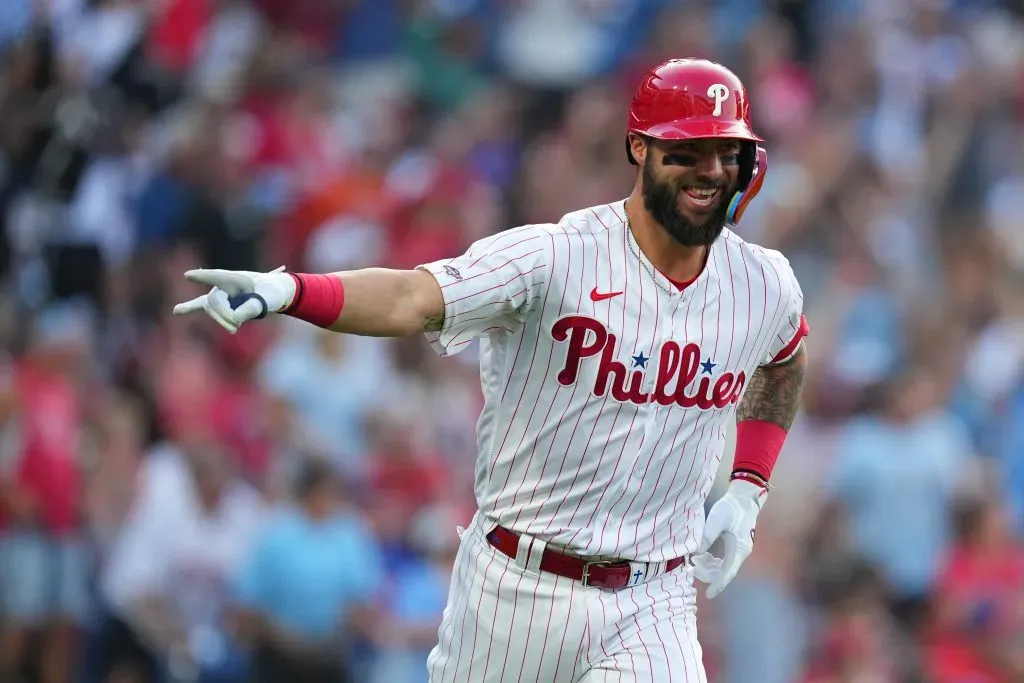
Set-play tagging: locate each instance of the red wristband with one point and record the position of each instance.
(318, 299)
(758, 444)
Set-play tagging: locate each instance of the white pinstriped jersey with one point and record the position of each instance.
(607, 390)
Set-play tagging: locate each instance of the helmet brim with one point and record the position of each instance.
(689, 129)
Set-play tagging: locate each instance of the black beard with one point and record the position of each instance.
(661, 201)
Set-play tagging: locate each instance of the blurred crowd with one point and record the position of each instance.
(179, 504)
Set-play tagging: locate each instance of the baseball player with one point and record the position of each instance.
(616, 347)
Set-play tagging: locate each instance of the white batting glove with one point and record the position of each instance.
(732, 518)
(239, 296)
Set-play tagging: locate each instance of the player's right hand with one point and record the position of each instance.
(238, 296)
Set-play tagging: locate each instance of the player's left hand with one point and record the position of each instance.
(732, 519)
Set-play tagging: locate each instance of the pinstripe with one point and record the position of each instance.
(529, 632)
(675, 475)
(705, 300)
(561, 647)
(456, 606)
(529, 371)
(528, 239)
(547, 631)
(500, 285)
(695, 650)
(690, 500)
(475, 626)
(751, 344)
(625, 441)
(512, 620)
(569, 403)
(463, 599)
(672, 449)
(545, 376)
(494, 623)
(679, 461)
(640, 635)
(604, 402)
(584, 647)
(690, 535)
(618, 630)
(498, 266)
(639, 318)
(554, 397)
(475, 575)
(779, 310)
(664, 461)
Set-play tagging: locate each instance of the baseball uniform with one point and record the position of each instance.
(608, 393)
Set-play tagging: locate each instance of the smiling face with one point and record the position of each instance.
(687, 185)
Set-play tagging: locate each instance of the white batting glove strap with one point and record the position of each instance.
(276, 288)
(733, 519)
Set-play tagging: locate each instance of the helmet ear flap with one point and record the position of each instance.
(748, 159)
(753, 166)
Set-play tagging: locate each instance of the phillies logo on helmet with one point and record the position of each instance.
(678, 368)
(719, 93)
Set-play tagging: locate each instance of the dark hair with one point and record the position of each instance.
(969, 517)
(312, 474)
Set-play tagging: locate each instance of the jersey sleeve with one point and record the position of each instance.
(791, 326)
(492, 287)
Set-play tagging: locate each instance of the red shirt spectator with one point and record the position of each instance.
(45, 472)
(980, 605)
(402, 472)
(177, 31)
(240, 412)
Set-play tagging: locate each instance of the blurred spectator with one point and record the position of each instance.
(857, 639)
(307, 585)
(15, 21)
(44, 557)
(113, 474)
(331, 383)
(166, 583)
(763, 622)
(979, 612)
(240, 411)
(406, 625)
(897, 473)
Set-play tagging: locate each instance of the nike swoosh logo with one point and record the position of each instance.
(601, 296)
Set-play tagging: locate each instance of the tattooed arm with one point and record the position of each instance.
(765, 414)
(773, 394)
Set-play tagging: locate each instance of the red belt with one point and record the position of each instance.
(600, 573)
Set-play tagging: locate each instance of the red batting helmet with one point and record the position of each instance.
(686, 99)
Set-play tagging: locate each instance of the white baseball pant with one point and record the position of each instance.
(506, 621)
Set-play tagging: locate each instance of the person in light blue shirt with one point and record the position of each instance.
(332, 382)
(15, 22)
(307, 586)
(1009, 431)
(413, 603)
(897, 474)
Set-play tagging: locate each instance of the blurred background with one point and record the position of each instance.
(179, 504)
